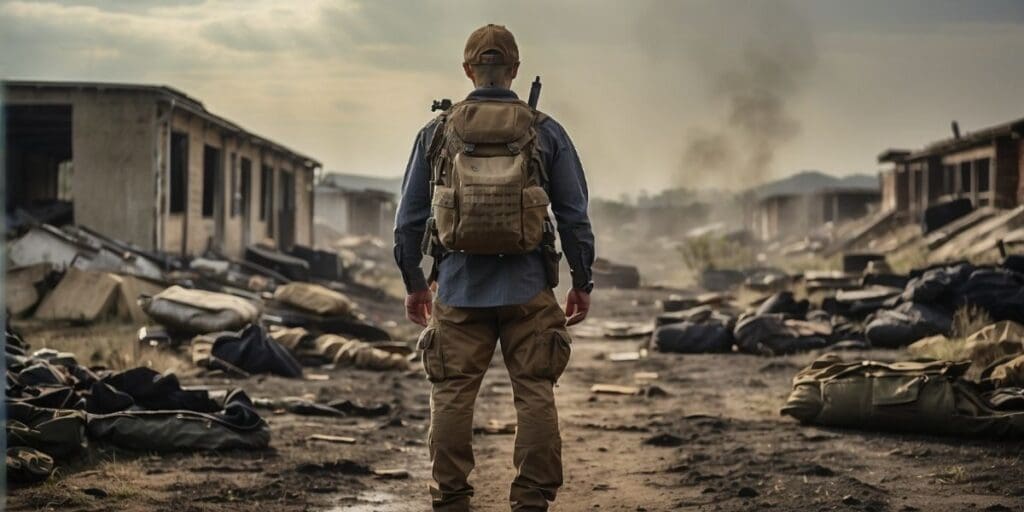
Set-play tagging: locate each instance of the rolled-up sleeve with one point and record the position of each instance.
(413, 212)
(569, 199)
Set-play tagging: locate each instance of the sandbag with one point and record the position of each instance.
(937, 285)
(198, 311)
(916, 397)
(905, 324)
(56, 432)
(314, 298)
(355, 353)
(237, 427)
(1009, 373)
(784, 303)
(693, 337)
(772, 335)
(998, 291)
(1000, 331)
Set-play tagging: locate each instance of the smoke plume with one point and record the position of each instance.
(755, 90)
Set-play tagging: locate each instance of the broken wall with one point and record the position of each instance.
(114, 137)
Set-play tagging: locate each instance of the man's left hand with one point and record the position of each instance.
(577, 305)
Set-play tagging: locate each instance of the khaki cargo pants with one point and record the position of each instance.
(457, 347)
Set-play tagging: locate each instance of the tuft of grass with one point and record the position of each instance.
(912, 257)
(113, 346)
(968, 320)
(953, 475)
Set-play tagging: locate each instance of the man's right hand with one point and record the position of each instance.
(419, 306)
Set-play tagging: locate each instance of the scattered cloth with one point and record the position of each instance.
(250, 350)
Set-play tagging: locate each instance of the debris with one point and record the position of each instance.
(292, 268)
(81, 296)
(496, 427)
(614, 389)
(664, 440)
(25, 286)
(342, 466)
(332, 439)
(619, 357)
(391, 474)
(746, 492)
(612, 275)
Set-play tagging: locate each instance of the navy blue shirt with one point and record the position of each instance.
(467, 280)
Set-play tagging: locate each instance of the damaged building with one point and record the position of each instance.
(795, 214)
(353, 204)
(984, 166)
(153, 167)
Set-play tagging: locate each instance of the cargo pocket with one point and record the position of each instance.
(429, 346)
(535, 211)
(554, 348)
(446, 215)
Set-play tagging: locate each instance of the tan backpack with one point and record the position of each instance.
(488, 180)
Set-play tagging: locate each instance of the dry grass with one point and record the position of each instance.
(912, 257)
(969, 320)
(966, 321)
(116, 478)
(110, 345)
(711, 252)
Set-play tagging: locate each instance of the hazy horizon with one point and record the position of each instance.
(655, 94)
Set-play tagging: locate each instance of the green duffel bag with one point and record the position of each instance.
(910, 396)
(56, 432)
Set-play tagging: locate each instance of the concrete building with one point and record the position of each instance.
(985, 166)
(152, 166)
(788, 214)
(353, 204)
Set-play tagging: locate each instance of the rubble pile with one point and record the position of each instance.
(269, 313)
(873, 309)
(55, 406)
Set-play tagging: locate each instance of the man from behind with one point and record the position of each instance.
(479, 188)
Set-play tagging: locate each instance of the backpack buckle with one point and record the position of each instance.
(469, 148)
(513, 148)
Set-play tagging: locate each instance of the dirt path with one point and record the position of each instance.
(714, 442)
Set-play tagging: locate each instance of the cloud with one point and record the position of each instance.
(351, 81)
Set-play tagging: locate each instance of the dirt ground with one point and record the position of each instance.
(714, 441)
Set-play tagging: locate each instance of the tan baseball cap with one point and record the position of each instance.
(491, 38)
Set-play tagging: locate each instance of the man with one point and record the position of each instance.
(475, 197)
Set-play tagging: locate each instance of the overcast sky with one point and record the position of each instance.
(654, 93)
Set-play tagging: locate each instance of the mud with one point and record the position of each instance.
(714, 441)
